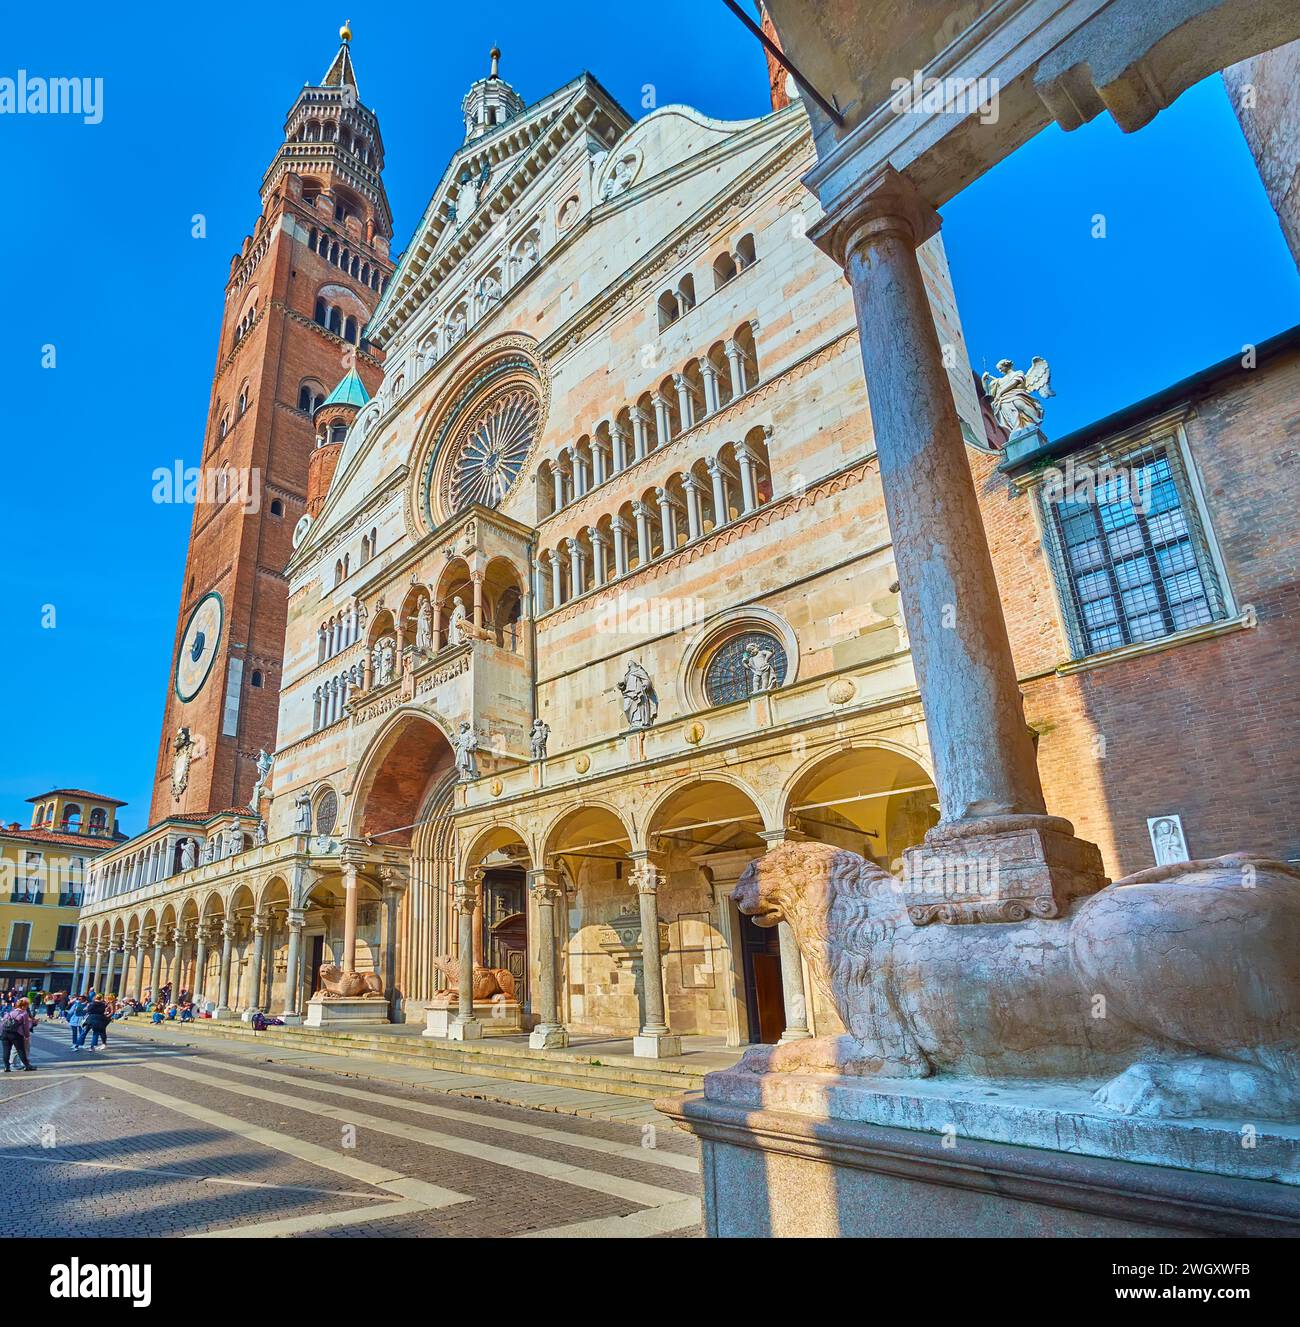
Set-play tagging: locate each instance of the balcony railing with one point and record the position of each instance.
(17, 955)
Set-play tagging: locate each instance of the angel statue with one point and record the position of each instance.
(1012, 394)
(264, 763)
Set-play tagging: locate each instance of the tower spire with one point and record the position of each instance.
(341, 74)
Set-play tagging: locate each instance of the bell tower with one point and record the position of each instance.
(298, 298)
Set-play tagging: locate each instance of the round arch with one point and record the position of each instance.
(407, 755)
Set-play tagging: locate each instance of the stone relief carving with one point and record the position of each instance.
(184, 748)
(757, 660)
(1164, 948)
(621, 178)
(384, 658)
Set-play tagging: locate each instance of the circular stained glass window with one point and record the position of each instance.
(327, 813)
(492, 450)
(744, 665)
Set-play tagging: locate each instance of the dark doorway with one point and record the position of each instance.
(505, 926)
(760, 951)
(317, 958)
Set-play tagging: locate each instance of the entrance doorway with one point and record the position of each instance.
(505, 926)
(314, 967)
(760, 950)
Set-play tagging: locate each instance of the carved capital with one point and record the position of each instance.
(886, 203)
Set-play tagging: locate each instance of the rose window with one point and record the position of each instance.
(492, 450)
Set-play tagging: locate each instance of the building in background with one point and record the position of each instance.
(43, 870)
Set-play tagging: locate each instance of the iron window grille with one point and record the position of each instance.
(1130, 557)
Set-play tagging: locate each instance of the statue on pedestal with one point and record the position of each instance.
(465, 744)
(424, 628)
(640, 704)
(762, 673)
(264, 763)
(538, 738)
(1011, 394)
(302, 814)
(188, 855)
(458, 626)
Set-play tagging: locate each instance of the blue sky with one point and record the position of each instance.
(100, 263)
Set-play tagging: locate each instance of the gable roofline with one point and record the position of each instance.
(581, 96)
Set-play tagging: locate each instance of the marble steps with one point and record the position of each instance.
(490, 1059)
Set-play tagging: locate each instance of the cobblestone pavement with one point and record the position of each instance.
(143, 1139)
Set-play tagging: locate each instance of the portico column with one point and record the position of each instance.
(654, 1041)
(200, 962)
(178, 967)
(259, 951)
(78, 964)
(137, 988)
(349, 915)
(792, 985)
(550, 1032)
(640, 443)
(619, 526)
(223, 990)
(983, 755)
(292, 977)
(394, 886)
(155, 965)
(642, 514)
(465, 1027)
(99, 968)
(111, 968)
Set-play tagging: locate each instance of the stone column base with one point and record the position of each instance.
(999, 869)
(548, 1037)
(789, 1155)
(656, 1045)
(346, 1013)
(494, 1018)
(223, 1012)
(463, 1029)
(291, 1018)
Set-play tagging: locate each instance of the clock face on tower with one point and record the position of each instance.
(199, 643)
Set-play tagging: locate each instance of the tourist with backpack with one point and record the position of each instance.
(96, 1022)
(15, 1034)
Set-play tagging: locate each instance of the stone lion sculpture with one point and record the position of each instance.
(335, 984)
(488, 982)
(1179, 985)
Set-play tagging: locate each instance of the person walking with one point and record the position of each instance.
(96, 1022)
(15, 1034)
(77, 1020)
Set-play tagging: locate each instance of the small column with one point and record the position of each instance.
(598, 543)
(642, 514)
(640, 438)
(694, 519)
(619, 526)
(663, 419)
(137, 988)
(539, 604)
(654, 1041)
(435, 628)
(550, 1033)
(718, 477)
(577, 567)
(709, 374)
(259, 952)
(667, 518)
(618, 445)
(292, 976)
(736, 358)
(599, 471)
(685, 400)
(748, 488)
(200, 962)
(477, 580)
(223, 1009)
(465, 1027)
(557, 485)
(578, 464)
(557, 579)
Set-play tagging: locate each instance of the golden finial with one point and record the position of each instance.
(345, 32)
(495, 56)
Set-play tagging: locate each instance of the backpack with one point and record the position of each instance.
(11, 1022)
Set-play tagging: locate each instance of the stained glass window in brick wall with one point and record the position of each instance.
(726, 678)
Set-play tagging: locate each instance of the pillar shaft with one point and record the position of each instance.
(227, 946)
(349, 917)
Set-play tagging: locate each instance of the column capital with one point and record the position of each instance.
(646, 872)
(297, 919)
(464, 894)
(546, 884)
(887, 201)
(261, 923)
(394, 879)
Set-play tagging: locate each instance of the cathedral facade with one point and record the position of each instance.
(589, 600)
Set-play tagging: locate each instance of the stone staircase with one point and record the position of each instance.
(594, 1066)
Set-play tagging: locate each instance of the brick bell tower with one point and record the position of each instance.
(298, 298)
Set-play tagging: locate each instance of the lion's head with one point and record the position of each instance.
(796, 883)
(330, 972)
